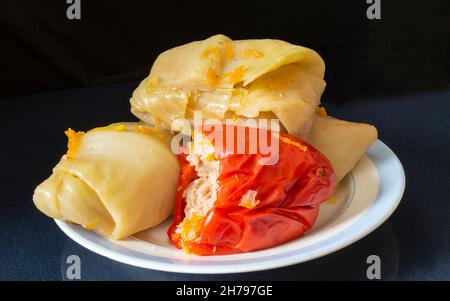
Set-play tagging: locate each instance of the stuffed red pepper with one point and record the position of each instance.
(231, 200)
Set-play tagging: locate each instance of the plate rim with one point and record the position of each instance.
(192, 268)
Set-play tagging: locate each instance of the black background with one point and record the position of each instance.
(116, 41)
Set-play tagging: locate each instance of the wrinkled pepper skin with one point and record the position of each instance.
(289, 194)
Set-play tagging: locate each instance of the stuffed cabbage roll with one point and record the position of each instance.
(228, 79)
(342, 142)
(117, 180)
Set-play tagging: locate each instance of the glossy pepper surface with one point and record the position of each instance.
(285, 196)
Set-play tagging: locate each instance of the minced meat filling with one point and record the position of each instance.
(201, 194)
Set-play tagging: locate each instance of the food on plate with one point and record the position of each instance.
(231, 202)
(223, 78)
(116, 180)
(342, 142)
(125, 177)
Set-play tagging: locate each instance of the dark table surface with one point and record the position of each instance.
(413, 244)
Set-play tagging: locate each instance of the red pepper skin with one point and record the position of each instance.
(187, 175)
(289, 195)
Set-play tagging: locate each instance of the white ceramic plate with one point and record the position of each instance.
(364, 200)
